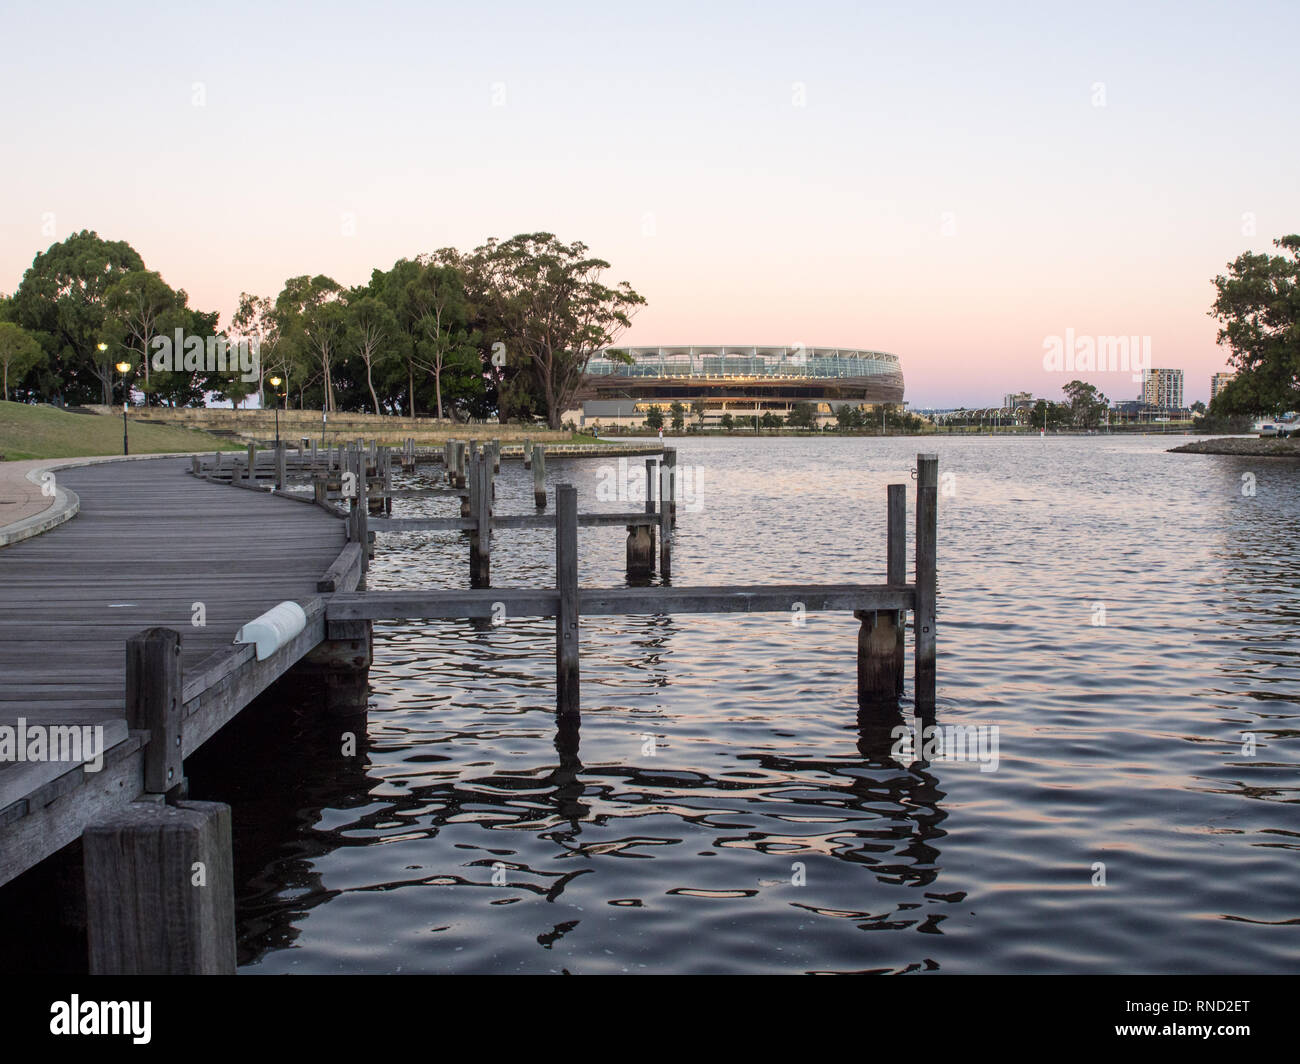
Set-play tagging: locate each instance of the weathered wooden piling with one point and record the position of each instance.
(670, 460)
(880, 639)
(927, 509)
(363, 512)
(640, 538)
(539, 476)
(252, 461)
(896, 568)
(337, 670)
(566, 616)
(465, 479)
(388, 480)
(159, 877)
(665, 521)
(160, 896)
(528, 454)
(153, 703)
(281, 466)
(480, 539)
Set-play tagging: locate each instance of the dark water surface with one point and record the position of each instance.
(730, 813)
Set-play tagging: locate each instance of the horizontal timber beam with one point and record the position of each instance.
(622, 601)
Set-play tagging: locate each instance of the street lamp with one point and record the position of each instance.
(275, 383)
(122, 368)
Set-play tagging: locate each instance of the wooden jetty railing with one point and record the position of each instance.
(360, 476)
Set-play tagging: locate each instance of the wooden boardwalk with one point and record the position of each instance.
(124, 620)
(149, 544)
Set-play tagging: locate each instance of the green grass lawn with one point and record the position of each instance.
(44, 432)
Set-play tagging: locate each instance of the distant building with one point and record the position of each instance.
(1013, 401)
(1163, 388)
(745, 382)
(1217, 382)
(1138, 412)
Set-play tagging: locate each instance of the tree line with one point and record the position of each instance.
(505, 331)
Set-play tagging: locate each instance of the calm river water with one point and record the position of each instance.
(1125, 617)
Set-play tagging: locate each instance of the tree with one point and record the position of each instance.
(370, 328)
(139, 306)
(1058, 415)
(19, 352)
(61, 300)
(1198, 408)
(727, 421)
(547, 301)
(1258, 304)
(801, 416)
(678, 413)
(1087, 404)
(254, 322)
(698, 408)
(848, 417)
(438, 300)
(769, 420)
(309, 316)
(655, 418)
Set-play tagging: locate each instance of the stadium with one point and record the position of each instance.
(743, 381)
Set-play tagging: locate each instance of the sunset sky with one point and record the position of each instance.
(951, 183)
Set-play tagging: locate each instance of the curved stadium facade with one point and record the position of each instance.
(743, 381)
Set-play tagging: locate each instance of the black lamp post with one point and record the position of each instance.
(275, 383)
(123, 368)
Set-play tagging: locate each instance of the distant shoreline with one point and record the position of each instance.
(1250, 446)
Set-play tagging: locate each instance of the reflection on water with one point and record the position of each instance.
(1125, 618)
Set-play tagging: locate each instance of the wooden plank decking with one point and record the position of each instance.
(149, 543)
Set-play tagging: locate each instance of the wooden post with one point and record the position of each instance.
(194, 465)
(281, 471)
(348, 470)
(927, 509)
(462, 465)
(528, 454)
(217, 465)
(480, 540)
(153, 703)
(388, 480)
(566, 618)
(363, 512)
(665, 525)
(337, 669)
(670, 460)
(539, 476)
(896, 569)
(252, 461)
(446, 460)
(496, 456)
(160, 896)
(466, 480)
(880, 638)
(640, 538)
(318, 490)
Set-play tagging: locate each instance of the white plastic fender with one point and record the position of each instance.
(273, 629)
